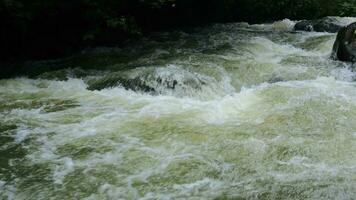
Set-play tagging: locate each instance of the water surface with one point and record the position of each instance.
(232, 111)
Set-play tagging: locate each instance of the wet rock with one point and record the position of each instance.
(345, 45)
(148, 83)
(135, 84)
(304, 25)
(326, 24)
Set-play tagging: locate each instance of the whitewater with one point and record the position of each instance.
(226, 111)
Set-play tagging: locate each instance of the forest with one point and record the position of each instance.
(44, 29)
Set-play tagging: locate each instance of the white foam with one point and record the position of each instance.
(229, 137)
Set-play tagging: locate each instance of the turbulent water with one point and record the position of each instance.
(232, 111)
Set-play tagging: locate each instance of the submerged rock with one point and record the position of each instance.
(345, 45)
(135, 84)
(148, 83)
(326, 24)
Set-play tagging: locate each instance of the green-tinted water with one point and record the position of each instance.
(223, 112)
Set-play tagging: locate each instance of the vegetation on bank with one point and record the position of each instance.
(40, 29)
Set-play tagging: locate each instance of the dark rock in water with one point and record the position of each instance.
(150, 80)
(345, 45)
(304, 25)
(326, 24)
(135, 84)
(275, 79)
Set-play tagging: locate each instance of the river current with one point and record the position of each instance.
(227, 111)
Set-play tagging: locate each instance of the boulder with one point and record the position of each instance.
(141, 84)
(326, 24)
(304, 25)
(345, 45)
(134, 84)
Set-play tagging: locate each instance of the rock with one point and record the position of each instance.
(345, 45)
(304, 25)
(134, 84)
(326, 24)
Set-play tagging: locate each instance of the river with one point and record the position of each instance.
(226, 111)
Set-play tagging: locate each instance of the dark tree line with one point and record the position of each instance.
(37, 29)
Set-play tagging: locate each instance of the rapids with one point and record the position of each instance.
(233, 111)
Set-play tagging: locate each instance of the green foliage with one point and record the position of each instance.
(293, 9)
(347, 8)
